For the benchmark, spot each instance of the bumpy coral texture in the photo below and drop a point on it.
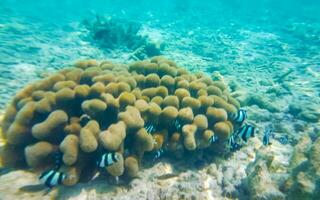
(304, 179)
(122, 101)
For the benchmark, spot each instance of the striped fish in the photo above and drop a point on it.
(266, 136)
(58, 159)
(52, 178)
(158, 154)
(107, 159)
(234, 146)
(283, 139)
(150, 128)
(84, 119)
(240, 117)
(212, 139)
(177, 125)
(245, 132)
(232, 140)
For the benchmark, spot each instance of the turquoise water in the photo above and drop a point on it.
(267, 51)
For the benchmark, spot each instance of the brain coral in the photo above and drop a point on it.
(131, 110)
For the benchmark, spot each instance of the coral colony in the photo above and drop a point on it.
(110, 34)
(108, 116)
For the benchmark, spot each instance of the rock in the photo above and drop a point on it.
(260, 184)
(309, 116)
(304, 170)
(22, 185)
(261, 102)
(305, 110)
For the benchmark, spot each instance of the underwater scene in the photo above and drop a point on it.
(160, 100)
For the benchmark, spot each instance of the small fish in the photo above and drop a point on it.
(150, 128)
(33, 188)
(107, 159)
(245, 132)
(84, 119)
(167, 176)
(58, 160)
(231, 140)
(52, 178)
(177, 125)
(283, 139)
(213, 139)
(234, 146)
(117, 180)
(266, 136)
(158, 154)
(240, 117)
(95, 176)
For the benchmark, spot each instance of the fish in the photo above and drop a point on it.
(58, 159)
(213, 139)
(234, 146)
(84, 119)
(52, 178)
(117, 180)
(240, 116)
(150, 128)
(283, 139)
(167, 176)
(231, 140)
(95, 176)
(107, 159)
(266, 136)
(245, 132)
(177, 124)
(33, 188)
(158, 154)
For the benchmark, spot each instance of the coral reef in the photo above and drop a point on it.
(131, 111)
(260, 183)
(283, 172)
(111, 33)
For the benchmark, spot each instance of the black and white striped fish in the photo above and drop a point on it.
(150, 128)
(245, 132)
(232, 140)
(58, 159)
(158, 154)
(84, 119)
(266, 136)
(234, 146)
(107, 159)
(52, 178)
(213, 139)
(240, 116)
(177, 125)
(283, 139)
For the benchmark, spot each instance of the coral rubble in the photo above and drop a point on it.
(92, 108)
